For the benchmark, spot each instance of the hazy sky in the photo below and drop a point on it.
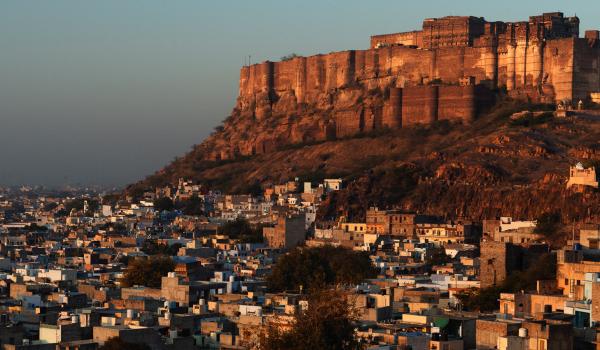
(108, 91)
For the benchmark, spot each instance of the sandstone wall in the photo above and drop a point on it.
(408, 78)
(586, 66)
(420, 105)
(414, 38)
(457, 103)
(392, 112)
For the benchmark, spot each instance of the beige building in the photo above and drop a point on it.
(571, 270)
(288, 233)
(581, 176)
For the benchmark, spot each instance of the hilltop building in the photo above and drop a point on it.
(581, 176)
(446, 71)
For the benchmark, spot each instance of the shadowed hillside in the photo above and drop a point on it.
(494, 166)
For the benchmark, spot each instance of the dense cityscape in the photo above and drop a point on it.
(187, 267)
(436, 191)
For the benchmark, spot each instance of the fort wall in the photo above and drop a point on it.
(410, 78)
(420, 105)
(457, 103)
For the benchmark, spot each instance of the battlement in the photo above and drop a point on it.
(451, 31)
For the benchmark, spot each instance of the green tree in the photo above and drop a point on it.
(147, 272)
(314, 268)
(327, 323)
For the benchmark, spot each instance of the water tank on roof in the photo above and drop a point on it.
(74, 318)
(523, 332)
(577, 247)
(130, 313)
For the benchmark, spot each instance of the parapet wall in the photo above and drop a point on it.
(414, 38)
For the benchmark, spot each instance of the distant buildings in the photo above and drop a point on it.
(61, 286)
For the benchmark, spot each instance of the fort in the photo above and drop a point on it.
(448, 70)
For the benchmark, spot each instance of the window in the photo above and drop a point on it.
(542, 344)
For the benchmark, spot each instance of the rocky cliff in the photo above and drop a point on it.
(494, 166)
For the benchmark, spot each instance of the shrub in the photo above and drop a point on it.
(147, 272)
(315, 268)
(327, 323)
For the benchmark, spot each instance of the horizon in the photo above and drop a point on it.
(107, 93)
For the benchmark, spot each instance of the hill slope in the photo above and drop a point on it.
(495, 166)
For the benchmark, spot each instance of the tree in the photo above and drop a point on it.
(315, 268)
(242, 230)
(111, 199)
(254, 188)
(151, 247)
(548, 225)
(289, 56)
(117, 343)
(480, 299)
(147, 272)
(79, 203)
(163, 203)
(327, 323)
(436, 256)
(50, 206)
(192, 206)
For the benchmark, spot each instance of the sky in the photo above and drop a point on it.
(106, 92)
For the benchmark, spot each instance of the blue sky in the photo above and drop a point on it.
(108, 91)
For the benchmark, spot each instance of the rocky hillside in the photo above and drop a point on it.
(494, 166)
